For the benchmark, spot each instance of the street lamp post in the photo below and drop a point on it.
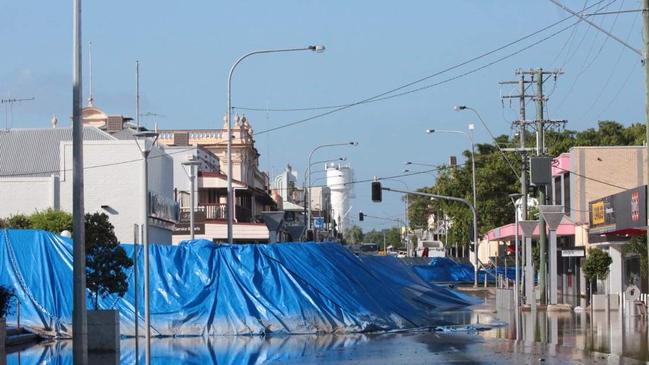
(514, 197)
(307, 195)
(192, 181)
(230, 204)
(148, 140)
(405, 214)
(469, 136)
(307, 175)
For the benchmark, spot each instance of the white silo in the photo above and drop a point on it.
(339, 178)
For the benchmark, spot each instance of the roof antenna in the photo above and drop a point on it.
(137, 94)
(9, 110)
(90, 98)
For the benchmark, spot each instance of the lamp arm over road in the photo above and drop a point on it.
(475, 221)
(230, 197)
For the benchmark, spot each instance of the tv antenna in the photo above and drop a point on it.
(9, 109)
(153, 115)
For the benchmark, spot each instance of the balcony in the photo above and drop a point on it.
(216, 211)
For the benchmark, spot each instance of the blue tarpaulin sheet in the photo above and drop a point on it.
(199, 288)
(447, 270)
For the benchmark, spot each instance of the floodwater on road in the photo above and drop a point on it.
(396, 348)
(545, 338)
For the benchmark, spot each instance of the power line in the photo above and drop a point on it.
(451, 68)
(383, 96)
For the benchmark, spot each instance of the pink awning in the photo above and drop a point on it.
(506, 232)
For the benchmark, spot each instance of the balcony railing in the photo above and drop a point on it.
(217, 211)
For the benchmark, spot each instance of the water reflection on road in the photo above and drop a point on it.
(548, 338)
(599, 332)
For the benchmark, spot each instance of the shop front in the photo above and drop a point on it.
(616, 222)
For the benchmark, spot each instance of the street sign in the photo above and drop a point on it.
(319, 222)
(572, 253)
(183, 229)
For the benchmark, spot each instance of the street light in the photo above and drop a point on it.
(307, 192)
(419, 164)
(514, 197)
(458, 108)
(192, 177)
(149, 139)
(230, 204)
(469, 136)
(405, 212)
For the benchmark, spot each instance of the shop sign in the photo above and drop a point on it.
(573, 253)
(183, 229)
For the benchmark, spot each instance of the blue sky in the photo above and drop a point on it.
(186, 49)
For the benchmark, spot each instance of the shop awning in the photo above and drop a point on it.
(507, 232)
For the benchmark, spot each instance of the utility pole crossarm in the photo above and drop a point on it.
(611, 35)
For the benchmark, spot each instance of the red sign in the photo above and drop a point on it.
(635, 206)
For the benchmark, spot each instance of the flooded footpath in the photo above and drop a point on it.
(482, 336)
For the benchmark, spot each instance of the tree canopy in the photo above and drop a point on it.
(495, 179)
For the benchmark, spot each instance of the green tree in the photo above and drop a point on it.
(638, 245)
(597, 264)
(19, 221)
(7, 297)
(495, 179)
(55, 221)
(353, 235)
(105, 260)
(391, 236)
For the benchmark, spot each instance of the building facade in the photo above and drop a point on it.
(251, 186)
(37, 174)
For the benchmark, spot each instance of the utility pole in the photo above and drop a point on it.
(540, 124)
(521, 123)
(645, 33)
(79, 318)
(536, 77)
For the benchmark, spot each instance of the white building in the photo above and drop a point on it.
(339, 178)
(251, 187)
(36, 174)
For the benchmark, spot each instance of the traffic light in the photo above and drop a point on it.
(377, 193)
(361, 216)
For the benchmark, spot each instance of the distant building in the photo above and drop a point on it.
(284, 185)
(36, 174)
(339, 182)
(251, 187)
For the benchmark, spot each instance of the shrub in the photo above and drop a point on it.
(597, 264)
(55, 221)
(7, 297)
(19, 221)
(105, 260)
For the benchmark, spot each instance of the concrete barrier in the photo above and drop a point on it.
(103, 331)
(599, 302)
(505, 299)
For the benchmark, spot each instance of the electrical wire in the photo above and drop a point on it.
(383, 96)
(448, 69)
(613, 71)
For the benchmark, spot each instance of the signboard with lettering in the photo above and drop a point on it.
(319, 222)
(618, 213)
(199, 216)
(573, 253)
(183, 229)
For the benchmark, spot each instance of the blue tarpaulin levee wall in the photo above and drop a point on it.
(446, 270)
(198, 288)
